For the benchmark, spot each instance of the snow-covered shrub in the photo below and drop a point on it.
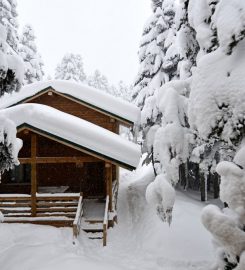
(9, 145)
(228, 225)
(161, 195)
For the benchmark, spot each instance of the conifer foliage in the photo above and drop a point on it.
(11, 66)
(32, 59)
(70, 68)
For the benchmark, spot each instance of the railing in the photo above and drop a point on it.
(60, 207)
(105, 222)
(15, 205)
(114, 195)
(78, 218)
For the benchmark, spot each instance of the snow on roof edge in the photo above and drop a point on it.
(92, 96)
(77, 131)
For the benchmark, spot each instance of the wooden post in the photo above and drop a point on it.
(33, 174)
(109, 183)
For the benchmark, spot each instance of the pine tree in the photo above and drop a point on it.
(11, 66)
(71, 68)
(32, 59)
(124, 91)
(150, 56)
(8, 17)
(186, 36)
(99, 81)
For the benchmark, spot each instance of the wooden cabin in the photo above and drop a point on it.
(70, 158)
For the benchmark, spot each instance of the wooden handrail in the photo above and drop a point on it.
(78, 218)
(105, 222)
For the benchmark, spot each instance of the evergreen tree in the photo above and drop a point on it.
(71, 68)
(32, 59)
(99, 81)
(186, 37)
(150, 56)
(11, 66)
(124, 91)
(8, 17)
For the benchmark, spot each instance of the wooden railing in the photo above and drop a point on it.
(114, 195)
(105, 222)
(15, 205)
(51, 209)
(78, 218)
(59, 205)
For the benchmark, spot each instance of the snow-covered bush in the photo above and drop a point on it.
(9, 144)
(161, 195)
(228, 225)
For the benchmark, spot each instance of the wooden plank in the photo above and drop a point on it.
(19, 199)
(57, 198)
(55, 223)
(41, 160)
(53, 204)
(57, 209)
(27, 204)
(6, 211)
(70, 215)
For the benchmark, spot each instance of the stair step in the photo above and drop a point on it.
(95, 235)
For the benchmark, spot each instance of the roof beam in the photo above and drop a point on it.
(41, 160)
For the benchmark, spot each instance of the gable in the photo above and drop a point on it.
(60, 102)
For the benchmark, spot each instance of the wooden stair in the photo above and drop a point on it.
(59, 210)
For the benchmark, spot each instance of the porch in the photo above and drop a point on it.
(94, 216)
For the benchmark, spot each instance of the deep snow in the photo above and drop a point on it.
(144, 243)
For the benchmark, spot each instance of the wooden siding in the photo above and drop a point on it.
(68, 106)
(80, 177)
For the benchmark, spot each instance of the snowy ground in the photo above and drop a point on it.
(141, 242)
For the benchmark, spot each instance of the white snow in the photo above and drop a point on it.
(75, 130)
(218, 93)
(161, 195)
(8, 138)
(147, 244)
(82, 92)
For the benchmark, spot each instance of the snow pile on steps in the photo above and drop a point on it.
(82, 92)
(75, 130)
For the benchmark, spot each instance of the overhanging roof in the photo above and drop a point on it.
(76, 133)
(89, 96)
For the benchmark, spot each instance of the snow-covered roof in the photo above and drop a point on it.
(75, 131)
(95, 98)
